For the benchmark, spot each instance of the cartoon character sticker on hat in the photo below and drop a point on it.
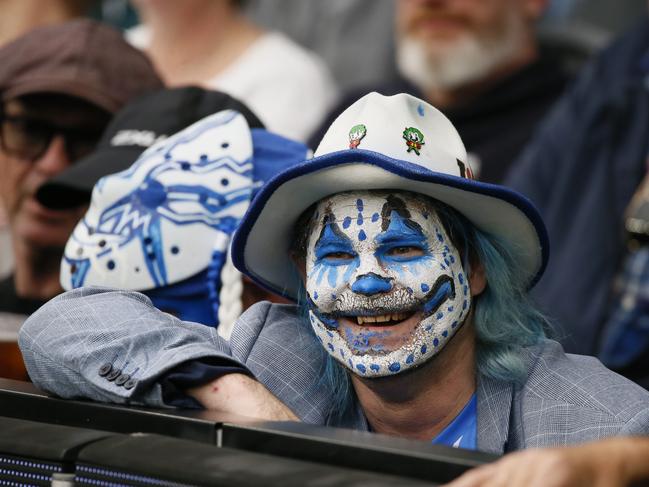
(414, 139)
(356, 134)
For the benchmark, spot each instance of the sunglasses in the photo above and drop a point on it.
(27, 138)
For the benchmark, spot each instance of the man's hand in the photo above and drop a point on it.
(616, 462)
(240, 394)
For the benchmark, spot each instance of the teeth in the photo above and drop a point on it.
(381, 318)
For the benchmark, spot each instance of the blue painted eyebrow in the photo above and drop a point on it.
(400, 232)
(331, 241)
(394, 237)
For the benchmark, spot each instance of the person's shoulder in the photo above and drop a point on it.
(622, 60)
(265, 311)
(266, 318)
(580, 383)
(269, 333)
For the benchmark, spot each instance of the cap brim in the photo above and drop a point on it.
(261, 244)
(63, 86)
(73, 187)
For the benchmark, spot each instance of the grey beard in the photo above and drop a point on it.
(468, 60)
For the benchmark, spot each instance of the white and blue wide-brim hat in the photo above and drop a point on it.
(383, 142)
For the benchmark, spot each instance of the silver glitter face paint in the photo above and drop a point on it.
(385, 284)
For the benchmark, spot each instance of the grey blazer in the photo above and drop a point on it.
(565, 399)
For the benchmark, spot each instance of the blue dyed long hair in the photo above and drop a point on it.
(505, 319)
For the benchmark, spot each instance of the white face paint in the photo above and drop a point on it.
(385, 284)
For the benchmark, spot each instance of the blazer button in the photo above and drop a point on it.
(130, 384)
(122, 379)
(105, 369)
(114, 375)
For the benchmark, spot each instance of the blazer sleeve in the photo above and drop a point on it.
(112, 346)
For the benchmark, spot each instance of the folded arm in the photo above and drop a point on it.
(115, 346)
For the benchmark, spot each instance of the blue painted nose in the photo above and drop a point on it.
(371, 283)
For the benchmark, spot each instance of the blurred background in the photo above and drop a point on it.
(354, 38)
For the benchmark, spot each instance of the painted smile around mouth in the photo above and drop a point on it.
(389, 319)
(393, 321)
(381, 335)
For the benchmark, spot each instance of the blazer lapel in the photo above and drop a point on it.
(494, 408)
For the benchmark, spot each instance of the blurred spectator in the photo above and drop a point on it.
(212, 43)
(20, 16)
(480, 62)
(582, 170)
(59, 86)
(346, 33)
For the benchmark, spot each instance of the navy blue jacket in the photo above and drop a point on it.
(581, 169)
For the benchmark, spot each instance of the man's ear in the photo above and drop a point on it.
(477, 279)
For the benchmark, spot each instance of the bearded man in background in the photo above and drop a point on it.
(479, 62)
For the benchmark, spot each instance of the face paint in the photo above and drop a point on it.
(385, 285)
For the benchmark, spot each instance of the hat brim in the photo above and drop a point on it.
(261, 244)
(63, 86)
(73, 187)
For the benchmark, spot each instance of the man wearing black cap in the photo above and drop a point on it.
(59, 86)
(136, 127)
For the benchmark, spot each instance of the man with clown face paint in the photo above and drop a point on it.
(413, 317)
(385, 285)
